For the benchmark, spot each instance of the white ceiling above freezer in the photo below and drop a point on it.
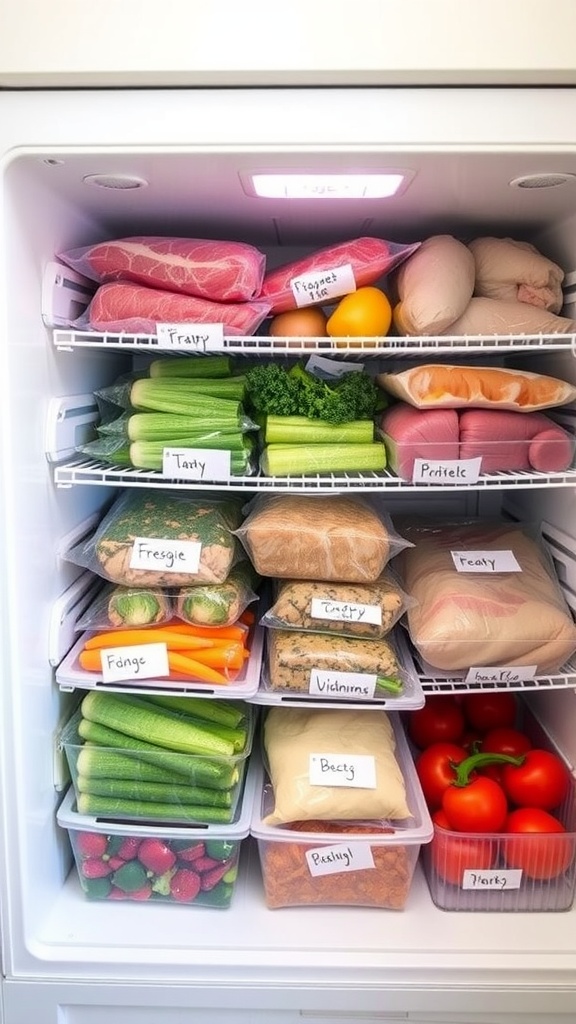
(262, 42)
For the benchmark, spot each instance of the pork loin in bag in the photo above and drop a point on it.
(476, 619)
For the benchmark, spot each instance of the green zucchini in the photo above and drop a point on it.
(191, 366)
(88, 803)
(220, 711)
(133, 789)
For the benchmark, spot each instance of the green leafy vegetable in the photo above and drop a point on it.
(275, 390)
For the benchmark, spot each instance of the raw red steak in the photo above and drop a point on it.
(369, 258)
(132, 308)
(210, 269)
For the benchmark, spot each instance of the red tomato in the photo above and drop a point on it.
(505, 741)
(543, 852)
(440, 720)
(435, 771)
(541, 781)
(479, 806)
(488, 710)
(453, 855)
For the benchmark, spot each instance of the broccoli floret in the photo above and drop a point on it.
(361, 391)
(270, 390)
(320, 400)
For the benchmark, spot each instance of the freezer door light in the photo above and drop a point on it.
(327, 186)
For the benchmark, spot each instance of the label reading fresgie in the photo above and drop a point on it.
(446, 471)
(486, 879)
(196, 463)
(331, 860)
(485, 561)
(159, 555)
(141, 661)
(355, 771)
(324, 683)
(345, 611)
(505, 674)
(195, 337)
(322, 285)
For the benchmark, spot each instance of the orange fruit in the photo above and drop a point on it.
(365, 313)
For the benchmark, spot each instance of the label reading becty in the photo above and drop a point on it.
(159, 555)
(322, 285)
(331, 860)
(345, 611)
(195, 337)
(446, 471)
(350, 771)
(341, 684)
(140, 661)
(196, 463)
(505, 674)
(489, 879)
(485, 561)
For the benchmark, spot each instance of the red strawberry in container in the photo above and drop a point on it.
(91, 844)
(156, 856)
(128, 848)
(95, 867)
(184, 885)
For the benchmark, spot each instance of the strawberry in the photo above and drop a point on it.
(185, 885)
(192, 853)
(91, 844)
(94, 867)
(128, 848)
(140, 894)
(211, 878)
(156, 855)
(206, 864)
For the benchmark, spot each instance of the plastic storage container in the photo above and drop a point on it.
(201, 789)
(499, 872)
(363, 864)
(191, 865)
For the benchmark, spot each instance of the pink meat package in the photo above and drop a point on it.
(208, 268)
(123, 307)
(368, 259)
(504, 440)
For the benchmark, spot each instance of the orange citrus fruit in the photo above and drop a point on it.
(365, 313)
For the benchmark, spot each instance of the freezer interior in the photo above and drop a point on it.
(180, 167)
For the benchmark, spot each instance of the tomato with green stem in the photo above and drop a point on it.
(476, 803)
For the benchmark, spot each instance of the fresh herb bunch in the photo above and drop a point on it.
(274, 390)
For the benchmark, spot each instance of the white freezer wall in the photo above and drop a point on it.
(61, 953)
(258, 42)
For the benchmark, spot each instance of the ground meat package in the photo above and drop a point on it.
(298, 743)
(486, 595)
(332, 272)
(319, 537)
(208, 268)
(122, 306)
(163, 539)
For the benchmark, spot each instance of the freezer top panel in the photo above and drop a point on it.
(371, 42)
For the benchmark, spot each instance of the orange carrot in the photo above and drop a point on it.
(90, 661)
(181, 665)
(130, 637)
(219, 657)
(236, 631)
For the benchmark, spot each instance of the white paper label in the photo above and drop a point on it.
(194, 337)
(330, 368)
(140, 661)
(331, 860)
(345, 611)
(196, 463)
(510, 878)
(485, 561)
(350, 771)
(504, 674)
(341, 684)
(158, 555)
(323, 285)
(446, 471)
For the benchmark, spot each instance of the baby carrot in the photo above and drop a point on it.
(182, 665)
(219, 657)
(236, 631)
(90, 661)
(129, 637)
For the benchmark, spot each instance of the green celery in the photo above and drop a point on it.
(287, 460)
(301, 429)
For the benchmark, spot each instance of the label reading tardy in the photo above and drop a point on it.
(331, 860)
(446, 471)
(159, 555)
(345, 611)
(196, 463)
(322, 285)
(503, 674)
(485, 561)
(355, 771)
(194, 337)
(485, 879)
(141, 661)
(324, 683)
